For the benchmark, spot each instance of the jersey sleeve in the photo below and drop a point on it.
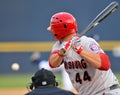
(55, 46)
(91, 45)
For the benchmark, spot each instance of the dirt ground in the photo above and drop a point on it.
(13, 91)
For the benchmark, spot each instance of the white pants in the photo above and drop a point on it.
(110, 92)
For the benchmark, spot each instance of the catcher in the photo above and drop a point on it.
(86, 63)
(44, 83)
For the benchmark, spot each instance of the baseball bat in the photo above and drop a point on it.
(101, 16)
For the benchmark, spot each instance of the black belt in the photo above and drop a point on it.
(115, 86)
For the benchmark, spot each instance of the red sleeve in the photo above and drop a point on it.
(105, 62)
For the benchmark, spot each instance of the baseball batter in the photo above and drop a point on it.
(87, 65)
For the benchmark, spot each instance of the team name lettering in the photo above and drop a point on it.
(75, 64)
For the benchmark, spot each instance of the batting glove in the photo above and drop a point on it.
(77, 45)
(65, 47)
(78, 49)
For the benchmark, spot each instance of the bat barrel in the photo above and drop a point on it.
(101, 16)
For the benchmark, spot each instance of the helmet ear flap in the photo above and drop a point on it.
(56, 83)
(33, 79)
(31, 86)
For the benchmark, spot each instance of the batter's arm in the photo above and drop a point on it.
(92, 53)
(56, 58)
(98, 60)
(92, 58)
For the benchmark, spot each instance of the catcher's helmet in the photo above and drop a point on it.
(62, 24)
(43, 77)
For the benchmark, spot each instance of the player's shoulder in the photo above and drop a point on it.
(56, 46)
(86, 38)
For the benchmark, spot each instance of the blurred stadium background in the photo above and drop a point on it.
(23, 30)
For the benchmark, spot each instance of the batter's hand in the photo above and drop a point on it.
(78, 49)
(65, 47)
(77, 45)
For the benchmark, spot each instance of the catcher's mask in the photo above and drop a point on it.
(43, 77)
(62, 24)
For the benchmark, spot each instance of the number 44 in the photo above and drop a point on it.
(86, 77)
